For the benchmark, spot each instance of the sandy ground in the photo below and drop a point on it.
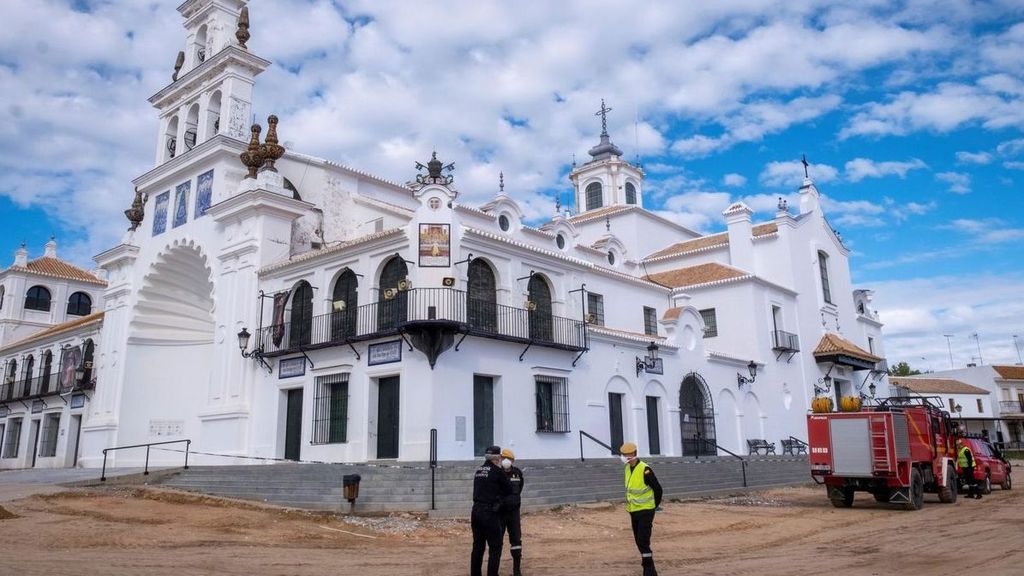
(120, 531)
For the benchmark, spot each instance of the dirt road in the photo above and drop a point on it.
(787, 531)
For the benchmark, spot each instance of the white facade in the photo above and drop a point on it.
(408, 311)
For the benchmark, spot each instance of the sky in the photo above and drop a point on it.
(910, 114)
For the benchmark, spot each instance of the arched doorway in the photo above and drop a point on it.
(540, 309)
(482, 296)
(301, 327)
(696, 417)
(344, 306)
(391, 302)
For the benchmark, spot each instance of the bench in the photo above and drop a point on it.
(755, 446)
(793, 447)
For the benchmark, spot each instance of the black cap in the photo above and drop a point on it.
(493, 450)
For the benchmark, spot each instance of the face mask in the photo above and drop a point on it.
(506, 463)
(624, 459)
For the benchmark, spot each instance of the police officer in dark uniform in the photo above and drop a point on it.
(512, 510)
(491, 491)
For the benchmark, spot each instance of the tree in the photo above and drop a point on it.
(902, 369)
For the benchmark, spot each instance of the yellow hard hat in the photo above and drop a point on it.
(506, 453)
(627, 448)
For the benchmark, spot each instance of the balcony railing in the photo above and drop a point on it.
(785, 341)
(882, 366)
(1011, 407)
(38, 386)
(478, 317)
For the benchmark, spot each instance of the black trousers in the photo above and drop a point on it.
(972, 485)
(488, 532)
(515, 532)
(643, 524)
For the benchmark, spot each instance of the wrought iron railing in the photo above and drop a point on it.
(1011, 407)
(785, 341)
(478, 317)
(38, 386)
(882, 366)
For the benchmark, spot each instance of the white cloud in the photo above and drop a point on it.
(986, 231)
(1014, 165)
(791, 174)
(959, 183)
(861, 168)
(734, 179)
(1011, 147)
(973, 157)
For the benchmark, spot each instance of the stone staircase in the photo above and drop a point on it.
(406, 486)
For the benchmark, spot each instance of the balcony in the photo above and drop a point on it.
(39, 386)
(412, 309)
(1011, 407)
(882, 366)
(785, 341)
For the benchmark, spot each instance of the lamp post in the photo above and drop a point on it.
(872, 389)
(950, 348)
(1017, 348)
(741, 380)
(256, 354)
(648, 363)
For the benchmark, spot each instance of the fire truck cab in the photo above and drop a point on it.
(897, 449)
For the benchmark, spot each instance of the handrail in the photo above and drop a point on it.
(433, 465)
(743, 461)
(582, 434)
(103, 474)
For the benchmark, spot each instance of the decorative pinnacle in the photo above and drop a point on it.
(137, 212)
(252, 158)
(603, 113)
(271, 150)
(608, 223)
(178, 63)
(434, 171)
(806, 164)
(501, 182)
(242, 34)
(558, 204)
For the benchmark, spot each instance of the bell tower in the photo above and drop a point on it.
(607, 179)
(211, 89)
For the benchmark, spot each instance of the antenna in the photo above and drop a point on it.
(636, 133)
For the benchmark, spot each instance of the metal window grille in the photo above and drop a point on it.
(595, 308)
(594, 196)
(710, 322)
(330, 409)
(552, 404)
(823, 266)
(48, 440)
(12, 439)
(650, 321)
(38, 298)
(630, 193)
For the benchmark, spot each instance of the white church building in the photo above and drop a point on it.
(352, 318)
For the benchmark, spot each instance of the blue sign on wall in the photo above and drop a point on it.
(204, 193)
(181, 203)
(160, 212)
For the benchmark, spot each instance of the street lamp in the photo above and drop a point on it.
(256, 354)
(741, 380)
(872, 388)
(650, 362)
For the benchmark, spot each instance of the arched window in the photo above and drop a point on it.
(594, 196)
(823, 268)
(200, 47)
(213, 115)
(301, 330)
(630, 193)
(391, 302)
(79, 304)
(37, 298)
(192, 127)
(87, 353)
(171, 139)
(3, 291)
(30, 365)
(482, 296)
(44, 372)
(12, 372)
(344, 306)
(540, 313)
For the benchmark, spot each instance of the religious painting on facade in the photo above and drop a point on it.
(160, 212)
(69, 361)
(181, 203)
(204, 193)
(435, 245)
(280, 301)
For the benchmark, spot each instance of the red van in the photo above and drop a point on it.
(990, 466)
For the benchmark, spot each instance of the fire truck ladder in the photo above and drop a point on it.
(879, 444)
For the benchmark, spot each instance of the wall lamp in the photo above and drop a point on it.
(256, 354)
(741, 379)
(649, 362)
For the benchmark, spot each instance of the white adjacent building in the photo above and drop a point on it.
(380, 314)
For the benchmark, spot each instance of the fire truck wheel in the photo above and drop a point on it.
(947, 493)
(841, 497)
(986, 484)
(1007, 482)
(916, 491)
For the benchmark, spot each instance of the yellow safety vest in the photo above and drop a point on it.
(961, 457)
(639, 496)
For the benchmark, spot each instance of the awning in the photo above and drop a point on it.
(838, 350)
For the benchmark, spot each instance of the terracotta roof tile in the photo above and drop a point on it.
(936, 385)
(694, 275)
(600, 212)
(713, 240)
(1010, 372)
(672, 314)
(47, 266)
(56, 329)
(835, 344)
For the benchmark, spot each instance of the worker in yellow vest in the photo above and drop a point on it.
(643, 497)
(965, 462)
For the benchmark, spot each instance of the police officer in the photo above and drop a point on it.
(643, 496)
(491, 490)
(512, 510)
(965, 461)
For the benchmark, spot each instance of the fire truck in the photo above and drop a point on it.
(897, 449)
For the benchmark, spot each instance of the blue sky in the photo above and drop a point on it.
(911, 115)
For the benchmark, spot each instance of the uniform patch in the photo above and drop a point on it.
(647, 471)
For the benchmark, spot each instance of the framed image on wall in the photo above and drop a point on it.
(435, 245)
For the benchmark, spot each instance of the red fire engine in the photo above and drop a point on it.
(897, 450)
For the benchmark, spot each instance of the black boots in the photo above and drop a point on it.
(517, 563)
(648, 564)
